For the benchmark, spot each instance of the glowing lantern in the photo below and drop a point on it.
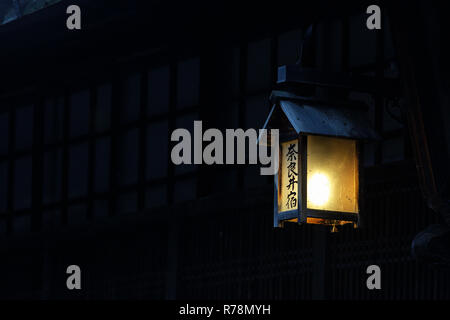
(318, 178)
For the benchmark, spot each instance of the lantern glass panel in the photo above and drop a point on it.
(289, 176)
(332, 174)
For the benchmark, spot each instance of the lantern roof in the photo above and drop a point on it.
(308, 117)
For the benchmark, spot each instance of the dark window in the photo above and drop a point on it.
(52, 176)
(156, 196)
(24, 127)
(101, 208)
(77, 214)
(51, 220)
(361, 55)
(258, 66)
(129, 109)
(235, 66)
(257, 108)
(127, 158)
(22, 224)
(102, 158)
(157, 150)
(288, 47)
(158, 91)
(103, 112)
(4, 133)
(185, 189)
(79, 113)
(127, 203)
(78, 170)
(188, 88)
(3, 185)
(22, 183)
(53, 120)
(2, 226)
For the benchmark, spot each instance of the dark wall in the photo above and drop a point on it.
(86, 177)
(224, 247)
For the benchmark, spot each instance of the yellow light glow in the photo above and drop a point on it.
(318, 189)
(332, 174)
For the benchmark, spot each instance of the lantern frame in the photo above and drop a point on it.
(312, 115)
(302, 213)
(303, 117)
